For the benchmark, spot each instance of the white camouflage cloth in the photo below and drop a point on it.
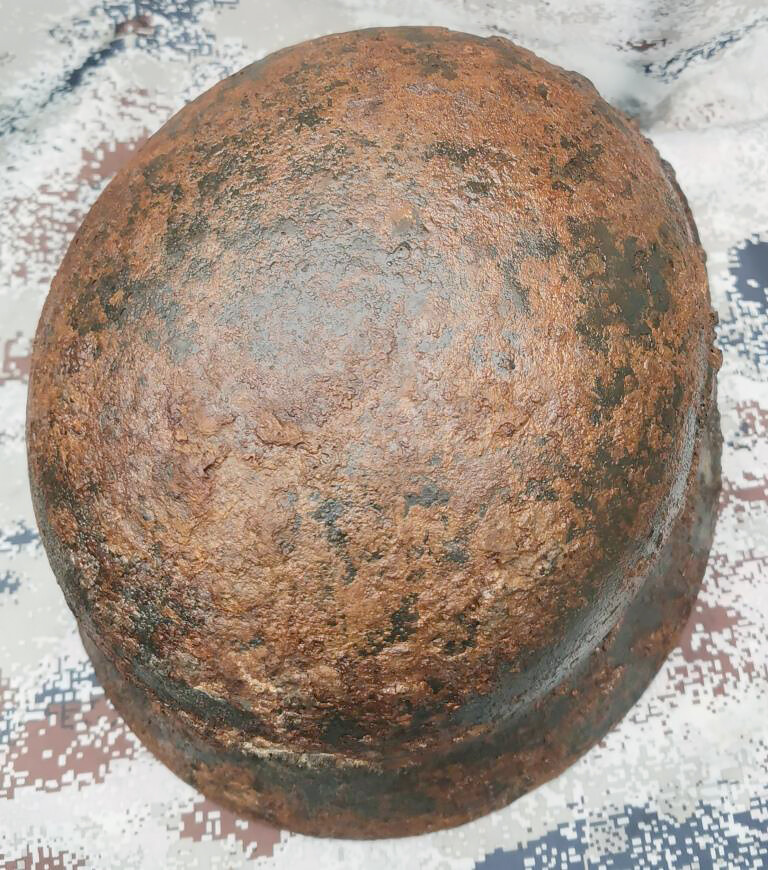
(683, 780)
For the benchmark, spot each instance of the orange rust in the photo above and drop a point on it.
(371, 419)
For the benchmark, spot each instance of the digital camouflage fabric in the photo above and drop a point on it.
(683, 778)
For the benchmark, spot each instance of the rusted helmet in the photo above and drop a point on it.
(371, 430)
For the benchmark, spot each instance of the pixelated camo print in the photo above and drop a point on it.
(683, 781)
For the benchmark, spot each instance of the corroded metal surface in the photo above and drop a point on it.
(368, 400)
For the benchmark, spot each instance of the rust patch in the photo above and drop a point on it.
(370, 396)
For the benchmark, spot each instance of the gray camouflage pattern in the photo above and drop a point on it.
(683, 781)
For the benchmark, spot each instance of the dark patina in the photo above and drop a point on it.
(372, 433)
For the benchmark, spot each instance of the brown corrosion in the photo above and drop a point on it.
(371, 429)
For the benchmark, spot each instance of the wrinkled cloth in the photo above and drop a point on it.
(683, 780)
